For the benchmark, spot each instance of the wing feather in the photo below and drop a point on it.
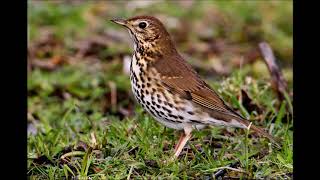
(179, 77)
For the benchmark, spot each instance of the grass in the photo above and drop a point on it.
(74, 130)
(130, 143)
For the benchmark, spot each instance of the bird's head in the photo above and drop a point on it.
(146, 31)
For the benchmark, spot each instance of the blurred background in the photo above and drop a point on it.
(78, 63)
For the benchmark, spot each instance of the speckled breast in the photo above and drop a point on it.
(166, 108)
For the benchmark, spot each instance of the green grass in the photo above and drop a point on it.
(132, 142)
(74, 130)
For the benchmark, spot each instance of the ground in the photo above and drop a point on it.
(83, 120)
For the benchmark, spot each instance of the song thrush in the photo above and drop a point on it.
(167, 86)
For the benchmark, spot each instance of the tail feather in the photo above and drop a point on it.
(245, 122)
(274, 140)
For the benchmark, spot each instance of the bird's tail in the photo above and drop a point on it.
(274, 140)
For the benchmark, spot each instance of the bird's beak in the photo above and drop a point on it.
(119, 21)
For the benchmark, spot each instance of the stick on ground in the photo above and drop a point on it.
(278, 82)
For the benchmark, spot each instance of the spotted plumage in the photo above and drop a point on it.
(168, 88)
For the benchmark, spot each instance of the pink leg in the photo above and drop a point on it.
(182, 141)
(179, 142)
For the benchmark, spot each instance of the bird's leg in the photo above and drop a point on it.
(182, 141)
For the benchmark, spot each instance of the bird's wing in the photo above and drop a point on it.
(179, 77)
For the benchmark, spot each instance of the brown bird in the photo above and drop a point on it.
(169, 89)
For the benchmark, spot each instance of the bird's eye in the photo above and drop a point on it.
(142, 25)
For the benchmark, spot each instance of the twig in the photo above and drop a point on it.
(246, 146)
(130, 172)
(230, 168)
(73, 153)
(249, 126)
(277, 78)
(222, 172)
(93, 139)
